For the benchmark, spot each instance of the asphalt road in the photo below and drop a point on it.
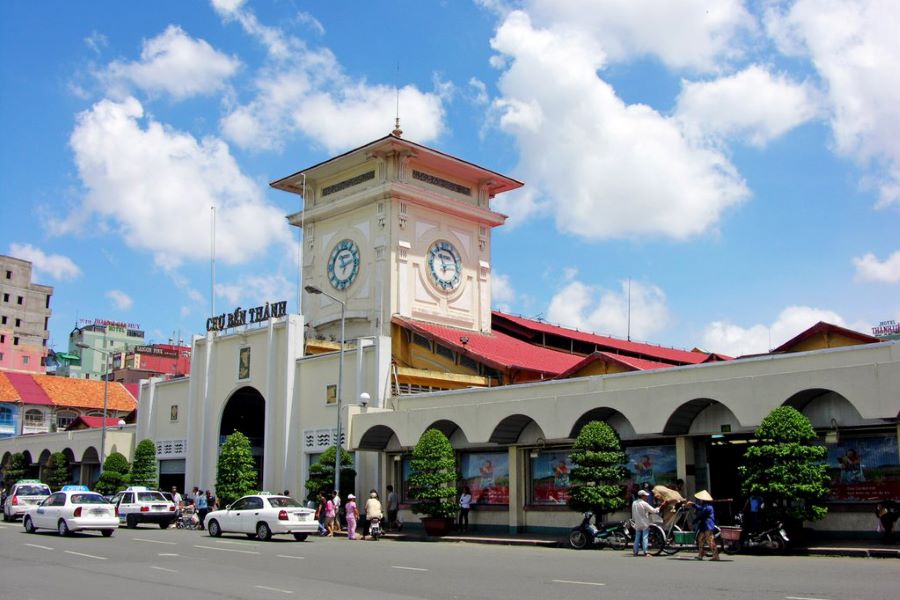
(153, 564)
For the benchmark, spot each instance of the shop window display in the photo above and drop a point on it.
(550, 478)
(487, 475)
(864, 468)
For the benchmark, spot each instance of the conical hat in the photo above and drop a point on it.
(703, 495)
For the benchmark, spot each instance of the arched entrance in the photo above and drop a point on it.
(245, 411)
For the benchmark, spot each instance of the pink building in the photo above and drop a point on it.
(24, 318)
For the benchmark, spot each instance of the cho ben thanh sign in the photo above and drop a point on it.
(247, 316)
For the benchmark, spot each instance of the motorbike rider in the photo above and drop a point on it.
(373, 509)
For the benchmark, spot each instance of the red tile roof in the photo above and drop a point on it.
(823, 327)
(92, 423)
(29, 391)
(496, 349)
(8, 392)
(632, 363)
(531, 329)
(49, 390)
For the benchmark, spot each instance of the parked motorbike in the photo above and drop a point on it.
(613, 535)
(769, 538)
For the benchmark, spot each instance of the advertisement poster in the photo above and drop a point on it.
(550, 478)
(651, 464)
(864, 468)
(405, 469)
(487, 475)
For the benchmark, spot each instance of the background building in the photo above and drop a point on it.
(113, 337)
(24, 318)
(155, 360)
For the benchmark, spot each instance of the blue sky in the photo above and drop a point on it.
(738, 162)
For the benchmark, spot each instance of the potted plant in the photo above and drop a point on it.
(432, 482)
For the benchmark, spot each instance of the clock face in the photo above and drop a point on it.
(445, 265)
(343, 264)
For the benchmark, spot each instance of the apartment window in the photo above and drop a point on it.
(9, 274)
(2, 339)
(6, 416)
(46, 322)
(18, 322)
(25, 360)
(64, 418)
(34, 418)
(15, 341)
(1, 356)
(48, 301)
(6, 297)
(19, 301)
(3, 321)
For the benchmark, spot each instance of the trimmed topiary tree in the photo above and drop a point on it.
(16, 470)
(321, 474)
(114, 476)
(432, 480)
(786, 468)
(236, 471)
(56, 473)
(599, 470)
(143, 471)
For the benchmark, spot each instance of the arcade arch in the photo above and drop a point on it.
(611, 416)
(245, 411)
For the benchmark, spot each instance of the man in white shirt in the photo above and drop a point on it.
(336, 500)
(640, 514)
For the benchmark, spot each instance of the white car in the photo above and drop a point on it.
(262, 516)
(24, 494)
(72, 509)
(139, 504)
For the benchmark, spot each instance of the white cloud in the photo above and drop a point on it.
(57, 266)
(605, 169)
(96, 42)
(479, 91)
(587, 308)
(176, 64)
(306, 91)
(693, 34)
(727, 338)
(753, 104)
(120, 299)
(255, 290)
(869, 268)
(154, 186)
(502, 292)
(855, 48)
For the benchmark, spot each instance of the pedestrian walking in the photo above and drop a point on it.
(393, 507)
(330, 513)
(352, 516)
(338, 511)
(202, 506)
(320, 514)
(705, 524)
(465, 503)
(640, 514)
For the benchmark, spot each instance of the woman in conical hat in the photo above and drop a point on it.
(705, 524)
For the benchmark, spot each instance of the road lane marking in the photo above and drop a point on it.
(163, 569)
(408, 568)
(226, 549)
(802, 598)
(271, 589)
(235, 542)
(577, 582)
(155, 541)
(167, 554)
(286, 556)
(85, 555)
(39, 546)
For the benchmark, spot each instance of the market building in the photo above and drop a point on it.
(93, 345)
(396, 335)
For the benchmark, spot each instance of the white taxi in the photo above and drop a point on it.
(138, 504)
(24, 493)
(262, 516)
(74, 508)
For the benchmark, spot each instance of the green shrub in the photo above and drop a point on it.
(16, 470)
(786, 469)
(114, 477)
(56, 473)
(599, 470)
(432, 480)
(321, 474)
(143, 471)
(236, 471)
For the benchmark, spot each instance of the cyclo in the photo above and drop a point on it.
(678, 531)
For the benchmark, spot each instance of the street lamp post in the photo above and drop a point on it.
(105, 354)
(340, 385)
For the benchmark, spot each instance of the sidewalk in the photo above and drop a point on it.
(850, 548)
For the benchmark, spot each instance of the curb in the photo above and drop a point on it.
(811, 551)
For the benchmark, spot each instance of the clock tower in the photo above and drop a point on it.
(396, 228)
